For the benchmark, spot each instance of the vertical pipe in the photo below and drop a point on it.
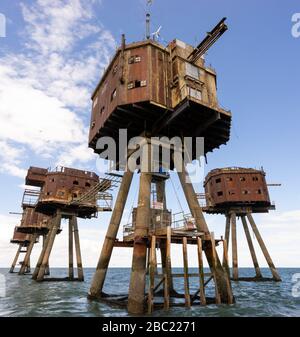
(112, 231)
(49, 246)
(186, 273)
(152, 274)
(168, 271)
(201, 272)
(251, 248)
(26, 262)
(234, 247)
(71, 259)
(136, 294)
(77, 248)
(161, 197)
(195, 209)
(12, 268)
(264, 248)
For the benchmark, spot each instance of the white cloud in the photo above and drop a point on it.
(10, 159)
(73, 154)
(45, 89)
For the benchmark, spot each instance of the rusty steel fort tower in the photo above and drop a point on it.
(154, 91)
(63, 193)
(239, 192)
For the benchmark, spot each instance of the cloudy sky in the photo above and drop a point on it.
(55, 52)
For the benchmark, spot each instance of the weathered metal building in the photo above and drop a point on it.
(169, 91)
(239, 192)
(153, 90)
(237, 186)
(61, 188)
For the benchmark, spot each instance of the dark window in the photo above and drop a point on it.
(259, 191)
(231, 192)
(137, 84)
(134, 59)
(255, 178)
(75, 182)
(102, 109)
(75, 195)
(218, 180)
(131, 60)
(242, 179)
(229, 179)
(220, 194)
(52, 180)
(245, 192)
(87, 184)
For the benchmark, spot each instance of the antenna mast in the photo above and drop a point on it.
(149, 3)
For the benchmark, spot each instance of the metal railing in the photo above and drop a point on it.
(30, 197)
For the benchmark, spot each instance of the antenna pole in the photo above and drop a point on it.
(148, 26)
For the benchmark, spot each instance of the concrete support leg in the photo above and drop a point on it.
(45, 260)
(77, 249)
(26, 261)
(235, 269)
(195, 209)
(112, 231)
(216, 280)
(28, 269)
(152, 268)
(166, 265)
(12, 268)
(251, 248)
(227, 231)
(263, 247)
(47, 270)
(201, 272)
(71, 259)
(225, 257)
(45, 244)
(136, 296)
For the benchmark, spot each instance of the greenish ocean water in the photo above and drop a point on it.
(21, 296)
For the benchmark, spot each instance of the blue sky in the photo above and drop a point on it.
(54, 54)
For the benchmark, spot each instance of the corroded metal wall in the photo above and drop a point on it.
(144, 81)
(67, 184)
(236, 186)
